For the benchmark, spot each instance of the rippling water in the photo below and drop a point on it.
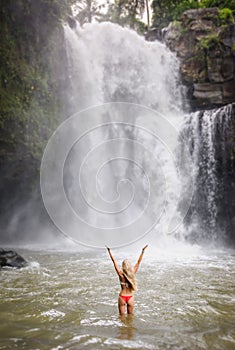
(69, 301)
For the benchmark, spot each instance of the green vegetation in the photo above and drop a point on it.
(166, 11)
(226, 16)
(128, 13)
(88, 10)
(221, 4)
(29, 94)
(209, 41)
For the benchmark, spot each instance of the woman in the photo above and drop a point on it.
(127, 282)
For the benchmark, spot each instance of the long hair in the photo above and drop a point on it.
(128, 273)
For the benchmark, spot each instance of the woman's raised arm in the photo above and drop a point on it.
(140, 259)
(119, 272)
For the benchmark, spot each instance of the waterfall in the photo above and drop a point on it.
(109, 63)
(123, 157)
(211, 135)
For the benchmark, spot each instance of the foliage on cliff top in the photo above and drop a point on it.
(127, 13)
(226, 16)
(166, 11)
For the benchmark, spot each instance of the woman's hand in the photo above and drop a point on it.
(144, 248)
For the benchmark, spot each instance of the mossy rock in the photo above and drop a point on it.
(209, 41)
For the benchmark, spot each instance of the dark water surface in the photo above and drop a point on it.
(69, 301)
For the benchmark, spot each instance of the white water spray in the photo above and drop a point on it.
(123, 170)
(208, 132)
(108, 63)
(121, 179)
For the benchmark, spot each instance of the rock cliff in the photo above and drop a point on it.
(32, 94)
(204, 41)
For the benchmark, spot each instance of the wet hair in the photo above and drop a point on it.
(128, 273)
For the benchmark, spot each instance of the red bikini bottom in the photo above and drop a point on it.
(126, 298)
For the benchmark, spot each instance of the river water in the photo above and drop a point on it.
(68, 300)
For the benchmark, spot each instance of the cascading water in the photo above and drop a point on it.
(211, 134)
(128, 153)
(108, 63)
(125, 160)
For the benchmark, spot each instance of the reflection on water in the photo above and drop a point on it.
(69, 301)
(127, 328)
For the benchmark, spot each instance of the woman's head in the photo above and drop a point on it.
(126, 266)
(128, 273)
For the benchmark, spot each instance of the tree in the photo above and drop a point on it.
(166, 11)
(163, 12)
(87, 10)
(148, 14)
(128, 13)
(219, 3)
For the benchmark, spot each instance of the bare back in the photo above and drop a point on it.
(126, 288)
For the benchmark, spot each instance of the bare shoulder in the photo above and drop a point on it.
(121, 276)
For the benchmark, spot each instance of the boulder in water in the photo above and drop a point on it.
(12, 259)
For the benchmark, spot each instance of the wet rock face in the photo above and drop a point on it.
(72, 22)
(11, 259)
(206, 49)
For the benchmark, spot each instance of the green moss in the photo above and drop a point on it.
(209, 41)
(226, 16)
